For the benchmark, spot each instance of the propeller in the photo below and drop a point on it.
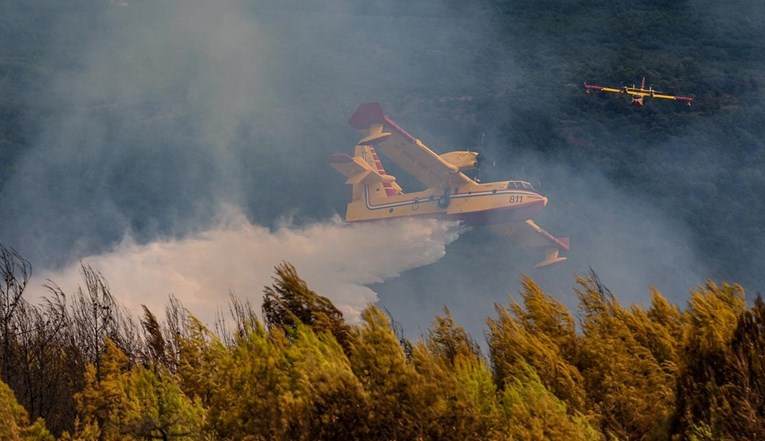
(479, 160)
(478, 166)
(482, 164)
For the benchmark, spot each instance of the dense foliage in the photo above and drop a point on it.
(86, 370)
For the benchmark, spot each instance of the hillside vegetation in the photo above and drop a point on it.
(85, 369)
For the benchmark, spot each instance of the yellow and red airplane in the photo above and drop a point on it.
(638, 95)
(505, 206)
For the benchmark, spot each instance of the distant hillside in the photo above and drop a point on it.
(502, 76)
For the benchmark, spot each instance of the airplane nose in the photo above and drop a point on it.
(544, 201)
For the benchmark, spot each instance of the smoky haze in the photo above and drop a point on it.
(236, 257)
(160, 112)
(159, 117)
(162, 116)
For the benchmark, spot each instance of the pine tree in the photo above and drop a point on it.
(744, 414)
(461, 397)
(455, 374)
(255, 371)
(201, 359)
(330, 402)
(707, 359)
(289, 302)
(398, 408)
(533, 413)
(448, 341)
(540, 334)
(14, 421)
(627, 363)
(134, 402)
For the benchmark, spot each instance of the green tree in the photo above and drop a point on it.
(705, 363)
(532, 412)
(255, 371)
(448, 341)
(461, 397)
(156, 352)
(201, 358)
(14, 421)
(627, 363)
(543, 314)
(479, 397)
(399, 402)
(134, 402)
(744, 414)
(457, 380)
(329, 401)
(297, 388)
(289, 302)
(540, 334)
(160, 410)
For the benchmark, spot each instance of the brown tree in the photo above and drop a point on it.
(15, 272)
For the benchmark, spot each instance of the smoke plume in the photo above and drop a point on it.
(337, 260)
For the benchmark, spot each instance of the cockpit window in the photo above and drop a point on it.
(522, 185)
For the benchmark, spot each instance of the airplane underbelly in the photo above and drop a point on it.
(516, 213)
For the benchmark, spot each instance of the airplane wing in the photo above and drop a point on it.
(530, 234)
(672, 97)
(602, 89)
(406, 150)
(656, 94)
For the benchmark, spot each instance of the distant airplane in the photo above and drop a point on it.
(637, 95)
(506, 206)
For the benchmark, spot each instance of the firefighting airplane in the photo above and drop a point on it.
(638, 94)
(506, 207)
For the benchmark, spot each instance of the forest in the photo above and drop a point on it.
(80, 367)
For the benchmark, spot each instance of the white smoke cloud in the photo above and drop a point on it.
(336, 259)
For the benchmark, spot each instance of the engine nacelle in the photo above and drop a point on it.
(464, 160)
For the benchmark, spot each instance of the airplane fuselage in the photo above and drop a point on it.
(507, 207)
(473, 203)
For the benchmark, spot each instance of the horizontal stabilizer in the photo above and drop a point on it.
(356, 170)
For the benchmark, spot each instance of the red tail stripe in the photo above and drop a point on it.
(389, 190)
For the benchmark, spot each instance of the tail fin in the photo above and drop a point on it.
(371, 184)
(368, 153)
(365, 172)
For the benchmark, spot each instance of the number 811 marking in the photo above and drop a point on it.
(516, 199)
